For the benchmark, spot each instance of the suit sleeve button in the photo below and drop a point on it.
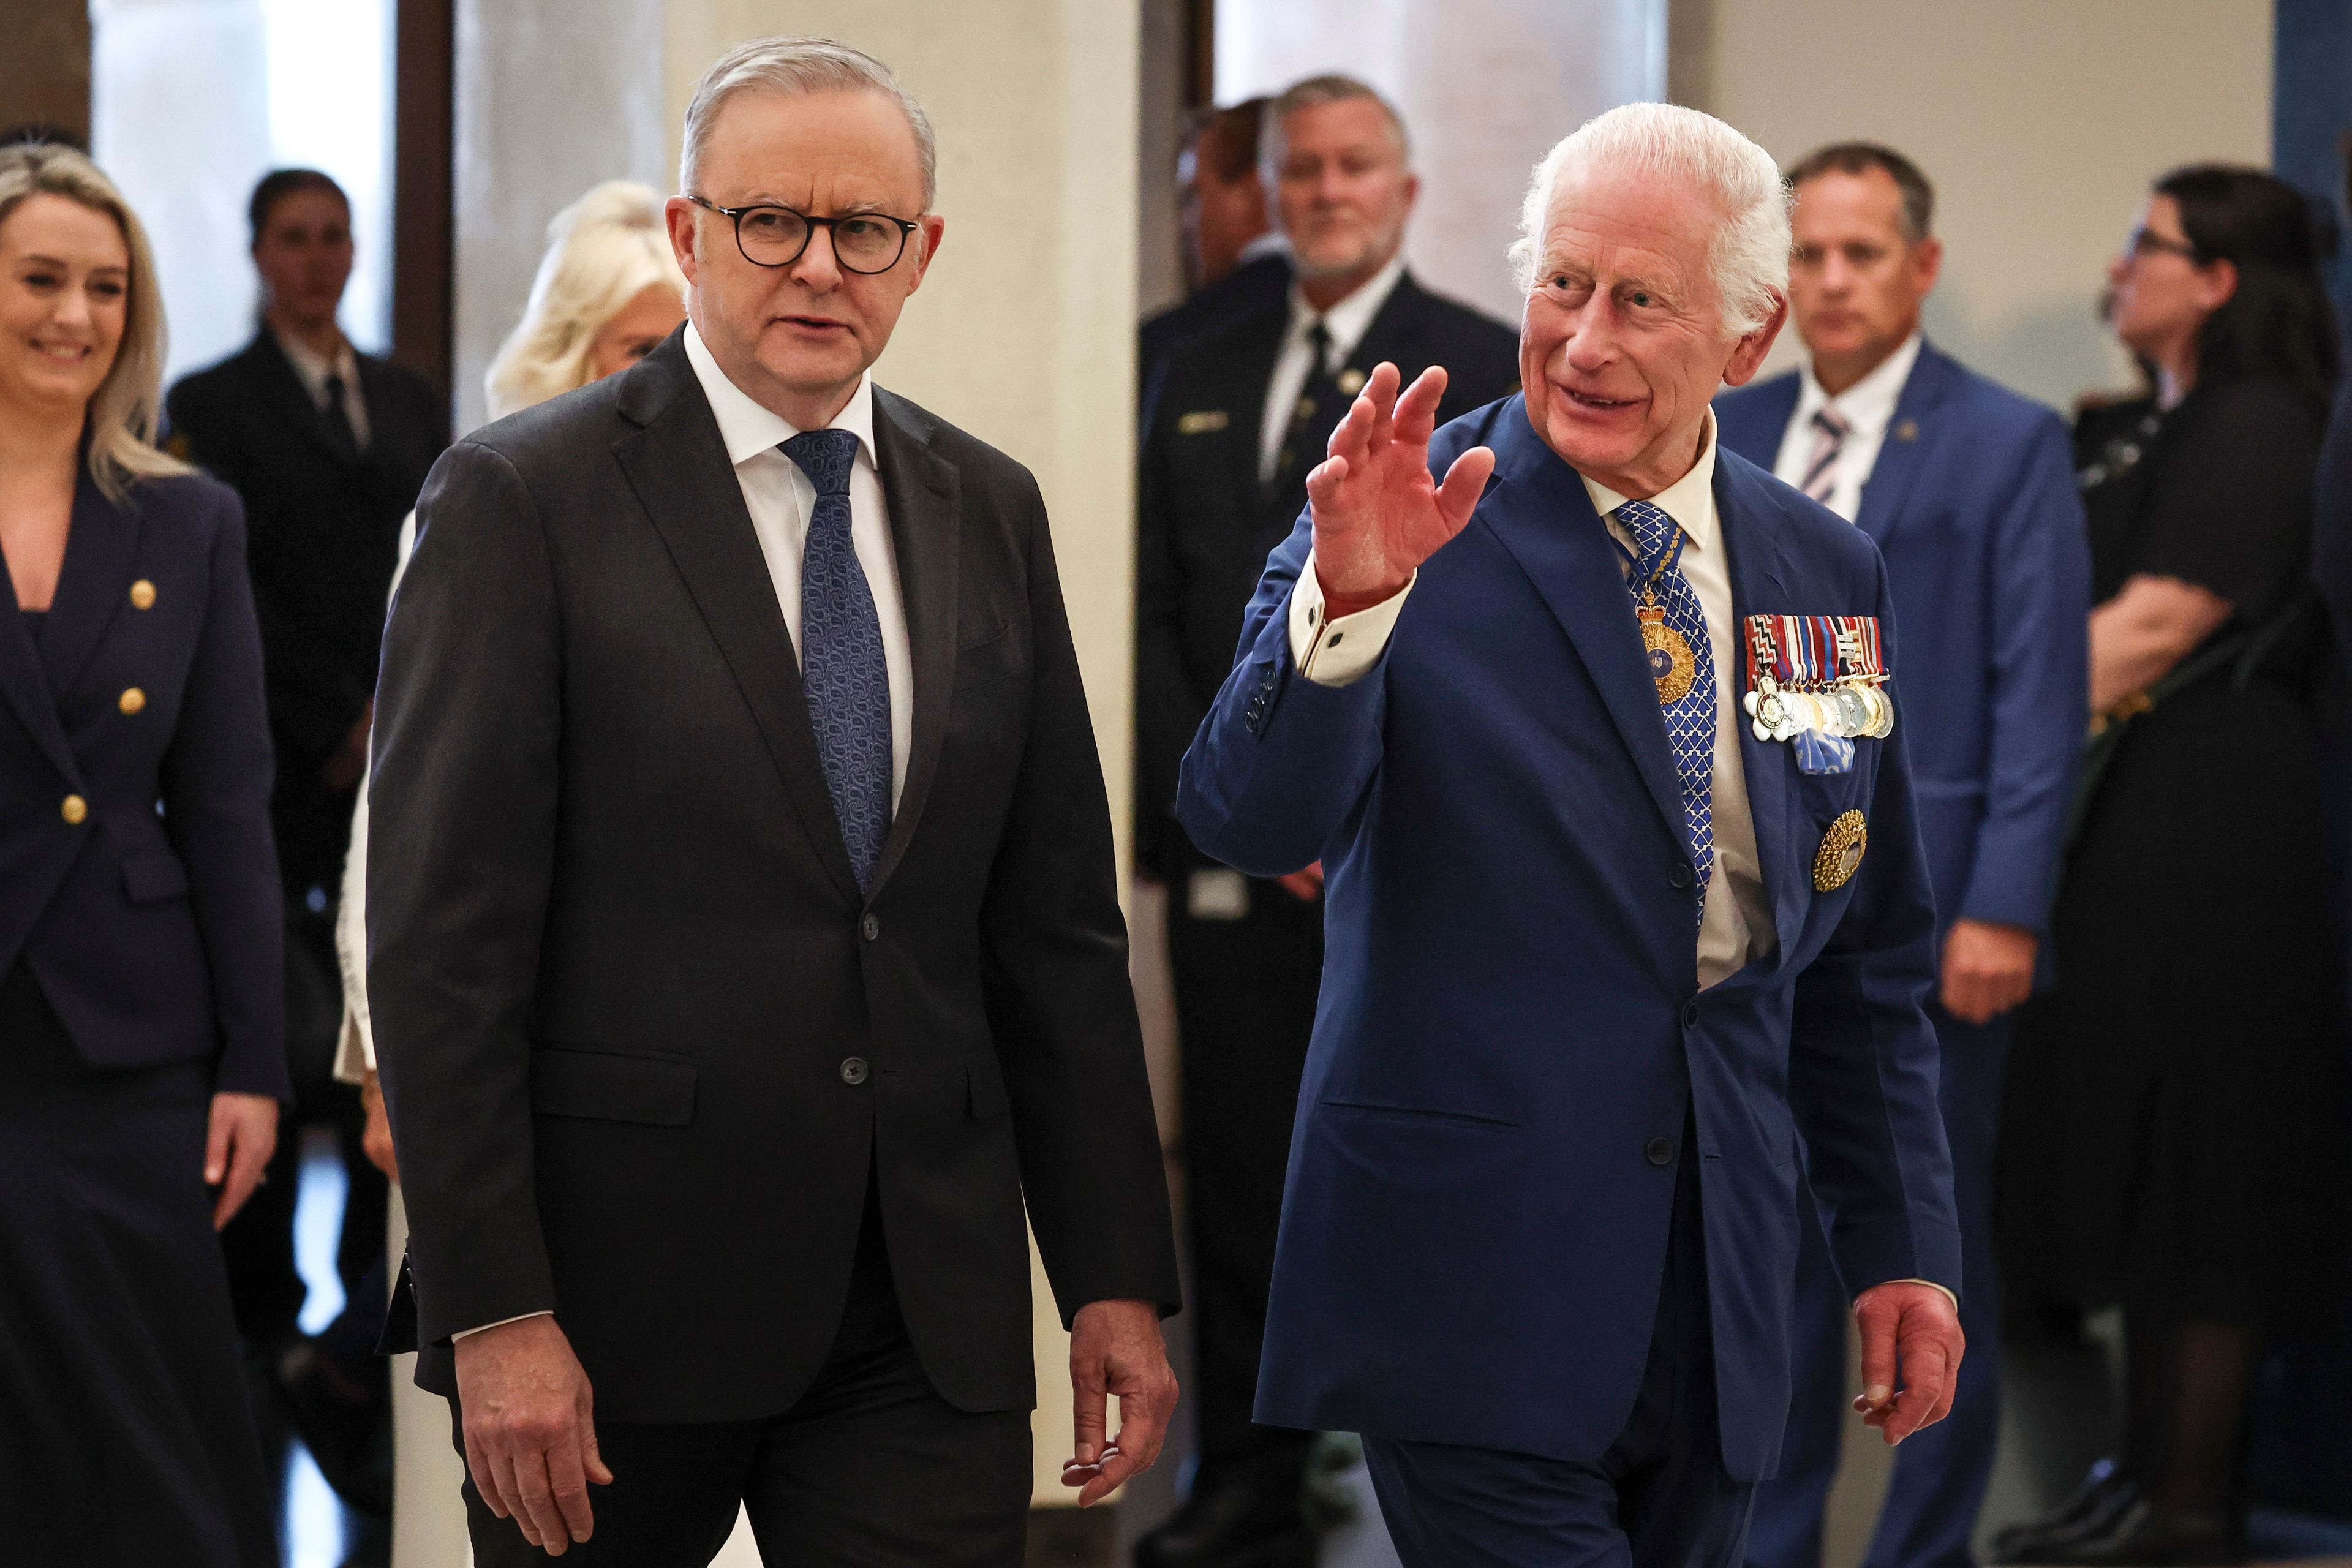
(853, 1072)
(870, 927)
(73, 808)
(1660, 1151)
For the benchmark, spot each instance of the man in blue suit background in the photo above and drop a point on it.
(1968, 489)
(1598, 950)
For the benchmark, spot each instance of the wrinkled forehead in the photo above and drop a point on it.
(1620, 224)
(848, 144)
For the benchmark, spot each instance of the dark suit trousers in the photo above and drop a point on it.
(1658, 1499)
(1245, 993)
(870, 1467)
(1941, 1475)
(126, 1440)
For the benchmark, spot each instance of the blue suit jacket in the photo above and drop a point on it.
(1472, 1234)
(1973, 505)
(154, 924)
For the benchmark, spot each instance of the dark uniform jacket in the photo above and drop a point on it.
(1206, 525)
(137, 879)
(641, 1033)
(325, 525)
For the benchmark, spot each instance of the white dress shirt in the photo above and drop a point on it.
(312, 373)
(1736, 922)
(780, 498)
(1347, 322)
(1867, 407)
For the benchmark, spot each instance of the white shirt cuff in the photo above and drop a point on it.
(1947, 1290)
(1339, 651)
(502, 1322)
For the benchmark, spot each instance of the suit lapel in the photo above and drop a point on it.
(282, 385)
(25, 690)
(1541, 512)
(923, 493)
(677, 466)
(92, 585)
(1905, 449)
(1760, 574)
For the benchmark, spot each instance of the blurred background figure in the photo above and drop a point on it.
(1240, 416)
(1236, 261)
(328, 448)
(607, 293)
(141, 1047)
(2174, 1126)
(1968, 490)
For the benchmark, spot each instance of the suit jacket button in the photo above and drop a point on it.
(870, 927)
(1661, 1151)
(1680, 876)
(142, 594)
(133, 700)
(73, 809)
(1690, 1015)
(853, 1072)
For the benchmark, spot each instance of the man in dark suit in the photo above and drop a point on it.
(1236, 263)
(1242, 414)
(745, 948)
(1968, 489)
(328, 447)
(1605, 938)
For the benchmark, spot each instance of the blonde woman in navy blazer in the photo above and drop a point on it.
(141, 1049)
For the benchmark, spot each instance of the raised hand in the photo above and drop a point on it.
(1378, 514)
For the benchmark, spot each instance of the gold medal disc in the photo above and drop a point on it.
(1671, 664)
(1839, 856)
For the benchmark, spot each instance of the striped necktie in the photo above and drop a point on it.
(1830, 430)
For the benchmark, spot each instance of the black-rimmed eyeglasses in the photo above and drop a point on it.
(771, 236)
(2145, 241)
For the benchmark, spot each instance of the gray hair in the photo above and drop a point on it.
(796, 67)
(1669, 143)
(1331, 87)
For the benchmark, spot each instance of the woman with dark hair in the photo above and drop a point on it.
(141, 1047)
(2173, 1129)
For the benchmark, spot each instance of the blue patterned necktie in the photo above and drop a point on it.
(1690, 723)
(842, 667)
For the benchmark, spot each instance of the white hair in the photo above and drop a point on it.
(797, 67)
(1670, 145)
(602, 251)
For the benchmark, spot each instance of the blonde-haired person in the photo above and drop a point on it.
(607, 292)
(141, 1026)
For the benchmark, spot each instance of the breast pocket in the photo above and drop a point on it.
(991, 656)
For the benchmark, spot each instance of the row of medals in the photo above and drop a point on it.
(1853, 708)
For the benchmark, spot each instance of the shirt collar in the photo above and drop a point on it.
(311, 370)
(748, 428)
(1351, 318)
(1689, 500)
(1868, 405)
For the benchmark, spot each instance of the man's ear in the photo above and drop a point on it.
(1747, 354)
(679, 215)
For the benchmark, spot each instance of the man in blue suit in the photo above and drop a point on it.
(1968, 489)
(1598, 950)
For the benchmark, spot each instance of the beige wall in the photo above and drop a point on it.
(1024, 331)
(2041, 122)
